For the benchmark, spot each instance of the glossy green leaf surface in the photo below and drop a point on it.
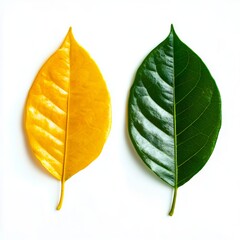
(174, 112)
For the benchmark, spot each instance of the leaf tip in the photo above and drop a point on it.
(172, 28)
(70, 30)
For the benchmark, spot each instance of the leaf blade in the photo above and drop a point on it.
(68, 112)
(180, 100)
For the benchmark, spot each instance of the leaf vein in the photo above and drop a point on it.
(44, 149)
(184, 69)
(193, 88)
(47, 118)
(199, 116)
(152, 145)
(153, 123)
(186, 140)
(152, 98)
(158, 74)
(53, 80)
(50, 135)
(204, 145)
(52, 103)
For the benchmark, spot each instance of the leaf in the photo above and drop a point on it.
(68, 112)
(174, 112)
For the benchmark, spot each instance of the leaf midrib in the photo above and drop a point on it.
(66, 131)
(174, 116)
(175, 132)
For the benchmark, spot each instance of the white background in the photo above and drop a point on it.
(117, 197)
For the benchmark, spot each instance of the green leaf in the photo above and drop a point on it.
(174, 112)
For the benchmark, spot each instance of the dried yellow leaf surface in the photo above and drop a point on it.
(68, 112)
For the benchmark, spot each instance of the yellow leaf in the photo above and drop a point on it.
(68, 112)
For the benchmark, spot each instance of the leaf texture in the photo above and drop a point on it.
(68, 112)
(174, 112)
